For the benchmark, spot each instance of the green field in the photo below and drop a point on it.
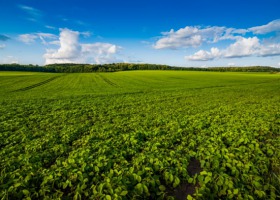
(139, 135)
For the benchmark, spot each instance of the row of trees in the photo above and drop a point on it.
(245, 69)
(80, 68)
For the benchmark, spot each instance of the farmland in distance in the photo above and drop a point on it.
(139, 135)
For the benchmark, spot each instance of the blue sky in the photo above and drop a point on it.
(173, 32)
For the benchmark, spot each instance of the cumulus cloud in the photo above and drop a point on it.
(243, 47)
(246, 41)
(69, 49)
(4, 37)
(203, 55)
(72, 51)
(100, 52)
(194, 36)
(267, 28)
(31, 38)
(185, 37)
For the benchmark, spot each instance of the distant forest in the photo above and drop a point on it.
(114, 67)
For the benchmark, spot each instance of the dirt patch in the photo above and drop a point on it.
(194, 167)
(184, 189)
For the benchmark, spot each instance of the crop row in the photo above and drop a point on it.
(143, 146)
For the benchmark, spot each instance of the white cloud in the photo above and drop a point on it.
(2, 46)
(9, 59)
(270, 50)
(242, 47)
(268, 28)
(203, 55)
(72, 51)
(31, 38)
(69, 50)
(185, 37)
(100, 52)
(27, 38)
(194, 36)
(55, 42)
(231, 64)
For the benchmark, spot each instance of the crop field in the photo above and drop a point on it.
(140, 135)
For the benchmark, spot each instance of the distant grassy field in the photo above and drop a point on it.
(139, 135)
(50, 85)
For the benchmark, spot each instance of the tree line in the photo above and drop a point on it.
(114, 67)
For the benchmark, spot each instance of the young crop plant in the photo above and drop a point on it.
(140, 135)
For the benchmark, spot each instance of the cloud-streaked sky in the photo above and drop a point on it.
(173, 32)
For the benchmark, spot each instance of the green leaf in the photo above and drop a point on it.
(139, 187)
(189, 197)
(100, 187)
(162, 188)
(200, 178)
(25, 192)
(171, 178)
(145, 189)
(241, 140)
(148, 169)
(108, 197)
(17, 185)
(250, 197)
(269, 152)
(190, 180)
(235, 191)
(257, 184)
(176, 182)
(138, 178)
(124, 193)
(207, 179)
(203, 173)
